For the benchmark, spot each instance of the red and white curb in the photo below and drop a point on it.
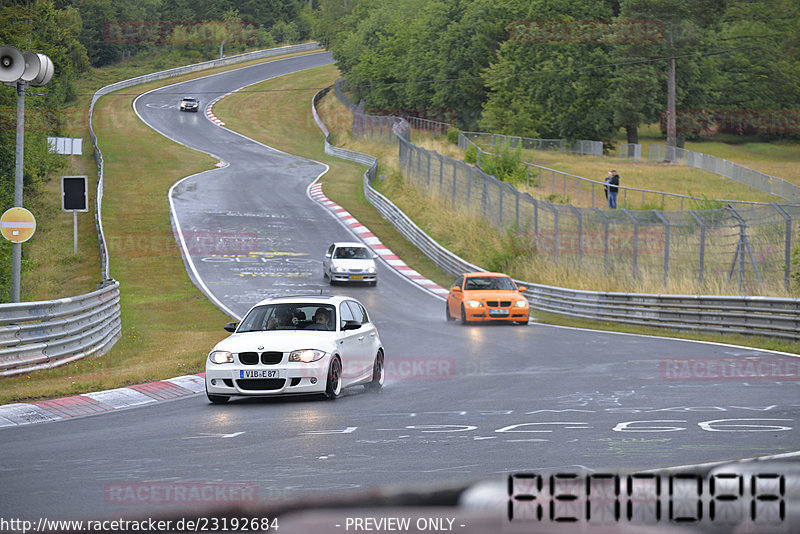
(315, 192)
(210, 111)
(100, 401)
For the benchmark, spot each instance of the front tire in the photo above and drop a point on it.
(378, 373)
(463, 315)
(333, 389)
(447, 311)
(216, 399)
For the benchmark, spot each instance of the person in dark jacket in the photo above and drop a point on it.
(611, 190)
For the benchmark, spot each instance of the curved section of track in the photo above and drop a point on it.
(460, 404)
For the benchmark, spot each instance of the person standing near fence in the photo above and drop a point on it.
(611, 190)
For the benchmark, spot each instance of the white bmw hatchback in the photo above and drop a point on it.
(297, 345)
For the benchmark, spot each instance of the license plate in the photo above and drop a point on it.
(356, 277)
(498, 312)
(263, 373)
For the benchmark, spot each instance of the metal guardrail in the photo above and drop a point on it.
(46, 334)
(767, 316)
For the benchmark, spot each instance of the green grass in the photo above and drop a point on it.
(168, 325)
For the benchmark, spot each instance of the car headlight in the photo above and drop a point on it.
(306, 355)
(474, 304)
(340, 269)
(220, 356)
(521, 303)
(371, 270)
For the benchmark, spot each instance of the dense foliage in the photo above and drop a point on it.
(559, 68)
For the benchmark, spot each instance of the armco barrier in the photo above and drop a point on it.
(767, 316)
(45, 334)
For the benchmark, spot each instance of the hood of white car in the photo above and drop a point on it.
(353, 264)
(279, 341)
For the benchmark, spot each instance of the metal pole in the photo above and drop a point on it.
(787, 245)
(75, 232)
(666, 245)
(16, 248)
(701, 266)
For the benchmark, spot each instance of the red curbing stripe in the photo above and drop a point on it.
(72, 406)
(162, 390)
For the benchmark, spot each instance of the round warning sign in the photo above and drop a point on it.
(17, 225)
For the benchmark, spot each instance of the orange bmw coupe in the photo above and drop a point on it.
(486, 297)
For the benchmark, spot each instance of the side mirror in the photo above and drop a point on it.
(231, 327)
(455, 289)
(374, 256)
(351, 325)
(522, 289)
(327, 254)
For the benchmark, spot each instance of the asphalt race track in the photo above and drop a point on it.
(460, 404)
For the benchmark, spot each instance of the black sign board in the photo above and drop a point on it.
(73, 193)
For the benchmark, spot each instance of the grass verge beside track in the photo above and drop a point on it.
(168, 325)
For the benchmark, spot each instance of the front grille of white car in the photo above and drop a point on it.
(266, 358)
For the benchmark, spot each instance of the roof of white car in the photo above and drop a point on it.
(305, 299)
(349, 244)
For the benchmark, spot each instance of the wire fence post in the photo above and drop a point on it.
(580, 233)
(702, 245)
(742, 248)
(635, 241)
(455, 181)
(666, 245)
(787, 245)
(469, 183)
(605, 237)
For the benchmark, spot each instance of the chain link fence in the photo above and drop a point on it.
(749, 243)
(722, 167)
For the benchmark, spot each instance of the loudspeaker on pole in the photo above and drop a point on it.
(12, 64)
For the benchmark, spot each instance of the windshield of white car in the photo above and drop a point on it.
(489, 283)
(290, 316)
(351, 253)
